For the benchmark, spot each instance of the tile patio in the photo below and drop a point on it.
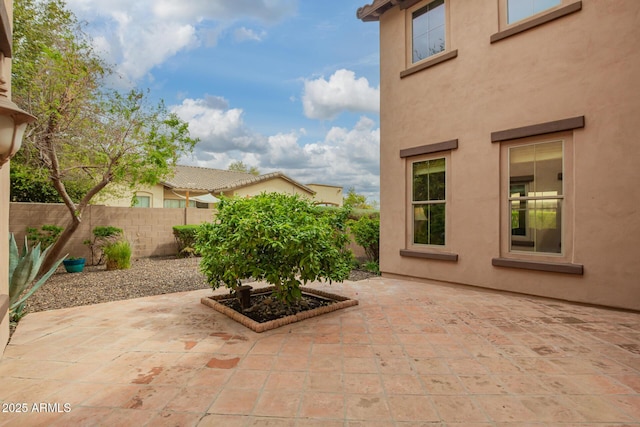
(410, 354)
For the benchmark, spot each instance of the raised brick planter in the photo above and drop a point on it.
(340, 302)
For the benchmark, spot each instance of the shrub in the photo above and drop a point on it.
(372, 267)
(102, 236)
(366, 232)
(186, 239)
(279, 238)
(46, 235)
(23, 269)
(118, 255)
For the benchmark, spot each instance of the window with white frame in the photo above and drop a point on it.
(518, 10)
(140, 201)
(428, 201)
(536, 197)
(428, 30)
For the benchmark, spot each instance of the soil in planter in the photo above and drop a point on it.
(265, 307)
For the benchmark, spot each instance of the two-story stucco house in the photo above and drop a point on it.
(510, 145)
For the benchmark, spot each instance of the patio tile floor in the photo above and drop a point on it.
(410, 354)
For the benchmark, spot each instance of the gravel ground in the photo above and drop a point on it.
(146, 277)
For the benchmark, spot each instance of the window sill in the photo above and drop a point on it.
(429, 63)
(440, 256)
(525, 26)
(539, 266)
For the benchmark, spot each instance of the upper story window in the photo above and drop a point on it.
(518, 10)
(428, 30)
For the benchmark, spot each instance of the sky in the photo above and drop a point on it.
(282, 85)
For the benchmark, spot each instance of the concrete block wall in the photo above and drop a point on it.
(149, 230)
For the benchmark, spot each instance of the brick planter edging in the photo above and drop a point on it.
(341, 302)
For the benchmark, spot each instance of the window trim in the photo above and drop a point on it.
(558, 263)
(417, 154)
(430, 62)
(533, 21)
(555, 126)
(552, 267)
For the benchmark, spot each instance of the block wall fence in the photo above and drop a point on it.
(149, 230)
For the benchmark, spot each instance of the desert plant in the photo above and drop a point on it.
(23, 269)
(46, 235)
(118, 255)
(185, 236)
(102, 236)
(366, 233)
(281, 239)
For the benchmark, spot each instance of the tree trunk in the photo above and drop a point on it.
(56, 251)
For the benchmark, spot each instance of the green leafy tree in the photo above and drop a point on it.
(239, 166)
(366, 233)
(355, 200)
(84, 133)
(279, 238)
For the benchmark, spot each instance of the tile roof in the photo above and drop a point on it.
(217, 180)
(260, 178)
(198, 178)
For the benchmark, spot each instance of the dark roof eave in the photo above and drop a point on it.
(371, 12)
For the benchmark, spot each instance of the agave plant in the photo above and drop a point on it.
(23, 269)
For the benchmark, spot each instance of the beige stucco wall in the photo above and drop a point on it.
(123, 196)
(4, 209)
(4, 251)
(327, 194)
(276, 185)
(584, 64)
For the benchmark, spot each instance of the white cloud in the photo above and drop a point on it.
(246, 34)
(142, 34)
(219, 129)
(325, 100)
(345, 156)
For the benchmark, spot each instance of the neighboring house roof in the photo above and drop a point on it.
(194, 178)
(260, 178)
(325, 185)
(204, 179)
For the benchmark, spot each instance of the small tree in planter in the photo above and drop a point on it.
(281, 239)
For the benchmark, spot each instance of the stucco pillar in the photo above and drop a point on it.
(4, 256)
(6, 18)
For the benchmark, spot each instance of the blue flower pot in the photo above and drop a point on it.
(74, 265)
